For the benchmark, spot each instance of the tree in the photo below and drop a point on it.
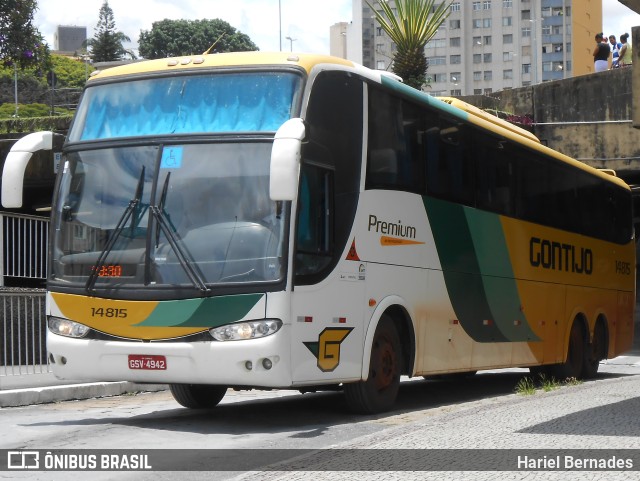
(106, 44)
(174, 38)
(21, 44)
(413, 24)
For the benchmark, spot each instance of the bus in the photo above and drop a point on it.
(278, 220)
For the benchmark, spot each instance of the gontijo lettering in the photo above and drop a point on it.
(560, 256)
(391, 228)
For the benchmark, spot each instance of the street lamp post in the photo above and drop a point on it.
(291, 40)
(280, 23)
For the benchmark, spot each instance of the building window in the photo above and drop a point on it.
(486, 22)
(455, 59)
(488, 75)
(454, 42)
(507, 21)
(454, 24)
(526, 68)
(507, 3)
(487, 91)
(546, 30)
(556, 30)
(379, 31)
(546, 11)
(477, 58)
(507, 38)
(455, 7)
(526, 32)
(507, 56)
(456, 92)
(488, 58)
(380, 65)
(486, 5)
(487, 39)
(439, 77)
(477, 91)
(477, 23)
(525, 14)
(546, 66)
(456, 77)
(439, 60)
(507, 74)
(437, 42)
(477, 6)
(477, 75)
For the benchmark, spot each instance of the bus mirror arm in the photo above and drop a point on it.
(16, 164)
(285, 160)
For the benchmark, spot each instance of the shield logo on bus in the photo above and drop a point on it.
(327, 349)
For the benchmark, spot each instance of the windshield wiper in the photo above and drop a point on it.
(186, 264)
(122, 222)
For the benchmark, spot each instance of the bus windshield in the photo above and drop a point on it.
(194, 215)
(187, 104)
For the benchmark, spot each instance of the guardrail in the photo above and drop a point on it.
(24, 246)
(23, 325)
(23, 243)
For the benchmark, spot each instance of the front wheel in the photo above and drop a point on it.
(197, 396)
(378, 393)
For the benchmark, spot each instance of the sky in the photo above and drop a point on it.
(305, 22)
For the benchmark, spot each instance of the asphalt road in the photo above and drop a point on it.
(473, 415)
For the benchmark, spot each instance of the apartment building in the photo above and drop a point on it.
(491, 45)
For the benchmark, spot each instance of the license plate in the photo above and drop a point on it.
(153, 363)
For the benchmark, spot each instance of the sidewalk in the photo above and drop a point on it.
(40, 388)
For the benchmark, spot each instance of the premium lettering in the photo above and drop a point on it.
(391, 228)
(559, 256)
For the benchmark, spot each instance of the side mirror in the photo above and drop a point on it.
(285, 160)
(16, 164)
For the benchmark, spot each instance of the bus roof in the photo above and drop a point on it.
(473, 110)
(190, 62)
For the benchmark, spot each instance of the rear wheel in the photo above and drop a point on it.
(596, 351)
(197, 396)
(572, 368)
(378, 393)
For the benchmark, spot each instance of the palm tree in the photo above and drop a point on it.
(413, 24)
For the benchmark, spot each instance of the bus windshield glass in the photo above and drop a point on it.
(192, 215)
(187, 104)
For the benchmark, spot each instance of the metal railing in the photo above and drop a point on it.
(23, 244)
(24, 330)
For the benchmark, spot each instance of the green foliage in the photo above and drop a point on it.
(35, 124)
(410, 26)
(70, 72)
(106, 44)
(21, 44)
(525, 386)
(173, 38)
(7, 110)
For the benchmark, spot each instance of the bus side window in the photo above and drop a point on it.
(449, 166)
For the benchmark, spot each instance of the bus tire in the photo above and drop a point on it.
(378, 393)
(596, 351)
(197, 396)
(573, 366)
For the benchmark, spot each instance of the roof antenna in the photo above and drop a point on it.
(214, 44)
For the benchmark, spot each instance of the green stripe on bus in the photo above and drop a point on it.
(207, 312)
(492, 254)
(461, 270)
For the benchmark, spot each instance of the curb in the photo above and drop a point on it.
(51, 394)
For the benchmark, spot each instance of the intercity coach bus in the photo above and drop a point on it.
(271, 220)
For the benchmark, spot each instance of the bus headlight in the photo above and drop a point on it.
(65, 327)
(246, 330)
